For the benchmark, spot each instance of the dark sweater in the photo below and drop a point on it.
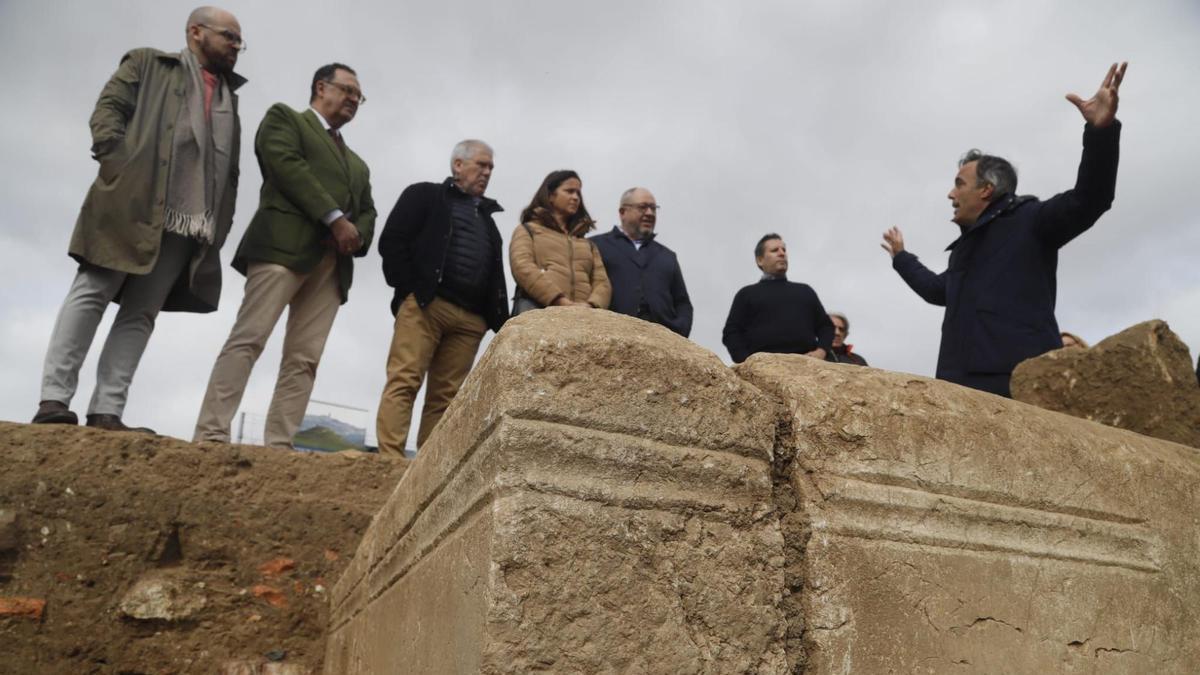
(778, 316)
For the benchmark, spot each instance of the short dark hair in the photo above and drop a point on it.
(326, 73)
(540, 210)
(761, 246)
(989, 169)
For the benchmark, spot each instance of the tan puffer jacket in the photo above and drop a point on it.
(547, 263)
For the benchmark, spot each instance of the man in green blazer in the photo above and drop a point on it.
(165, 131)
(315, 214)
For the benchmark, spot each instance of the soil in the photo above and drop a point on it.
(232, 550)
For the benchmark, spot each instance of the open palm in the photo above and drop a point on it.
(1101, 109)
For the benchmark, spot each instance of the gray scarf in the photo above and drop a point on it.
(200, 157)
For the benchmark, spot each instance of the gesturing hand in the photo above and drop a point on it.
(893, 241)
(1101, 109)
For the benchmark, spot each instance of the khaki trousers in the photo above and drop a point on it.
(440, 340)
(312, 300)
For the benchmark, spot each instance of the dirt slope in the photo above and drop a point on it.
(153, 555)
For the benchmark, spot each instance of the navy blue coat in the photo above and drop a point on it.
(646, 282)
(1000, 286)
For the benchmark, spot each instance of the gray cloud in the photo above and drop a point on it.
(825, 121)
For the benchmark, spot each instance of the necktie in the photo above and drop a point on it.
(337, 140)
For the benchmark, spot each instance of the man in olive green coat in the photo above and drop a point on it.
(314, 215)
(166, 133)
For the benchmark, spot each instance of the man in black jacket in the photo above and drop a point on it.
(999, 288)
(441, 252)
(776, 315)
(645, 275)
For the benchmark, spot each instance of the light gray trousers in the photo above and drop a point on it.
(75, 329)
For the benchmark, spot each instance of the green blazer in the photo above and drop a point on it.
(305, 176)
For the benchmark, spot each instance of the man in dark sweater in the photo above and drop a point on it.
(776, 315)
(441, 252)
(645, 275)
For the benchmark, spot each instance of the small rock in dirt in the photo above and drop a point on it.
(160, 597)
(273, 596)
(276, 567)
(276, 655)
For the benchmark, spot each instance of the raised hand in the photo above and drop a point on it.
(893, 241)
(1101, 109)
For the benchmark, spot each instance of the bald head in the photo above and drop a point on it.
(639, 212)
(215, 37)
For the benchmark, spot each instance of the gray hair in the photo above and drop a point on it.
(466, 150)
(844, 320)
(992, 170)
(627, 194)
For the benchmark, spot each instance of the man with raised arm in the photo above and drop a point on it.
(999, 287)
(166, 134)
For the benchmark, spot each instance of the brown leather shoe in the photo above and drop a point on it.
(113, 423)
(54, 412)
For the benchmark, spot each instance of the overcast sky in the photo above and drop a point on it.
(824, 121)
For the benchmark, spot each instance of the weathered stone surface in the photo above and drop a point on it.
(1141, 379)
(596, 499)
(161, 597)
(932, 528)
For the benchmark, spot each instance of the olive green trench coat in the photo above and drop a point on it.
(120, 225)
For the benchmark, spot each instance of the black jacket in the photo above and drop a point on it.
(646, 282)
(776, 316)
(999, 288)
(415, 241)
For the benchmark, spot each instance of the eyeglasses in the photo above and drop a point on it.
(233, 38)
(644, 207)
(348, 90)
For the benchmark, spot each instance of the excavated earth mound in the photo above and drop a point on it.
(127, 553)
(1140, 379)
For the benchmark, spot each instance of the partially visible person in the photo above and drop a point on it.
(842, 351)
(776, 315)
(1000, 284)
(1072, 340)
(645, 275)
(315, 215)
(441, 253)
(167, 135)
(552, 263)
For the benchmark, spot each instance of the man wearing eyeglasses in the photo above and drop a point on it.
(646, 279)
(441, 253)
(315, 214)
(166, 133)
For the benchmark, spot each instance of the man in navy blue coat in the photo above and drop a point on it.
(645, 275)
(999, 287)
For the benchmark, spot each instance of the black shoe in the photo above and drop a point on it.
(113, 423)
(54, 412)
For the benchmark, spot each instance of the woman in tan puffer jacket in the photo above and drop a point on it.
(552, 263)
